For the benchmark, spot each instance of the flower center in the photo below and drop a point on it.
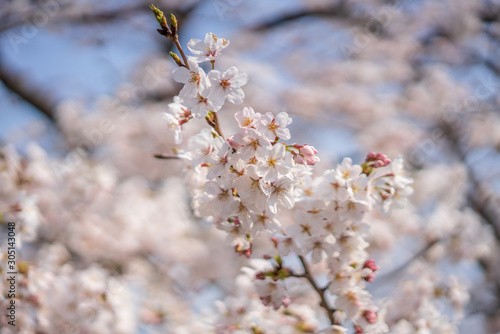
(225, 84)
(273, 126)
(195, 78)
(246, 121)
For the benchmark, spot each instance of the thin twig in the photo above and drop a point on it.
(217, 125)
(165, 156)
(320, 291)
(20, 85)
(179, 47)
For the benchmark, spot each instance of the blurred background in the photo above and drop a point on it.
(84, 83)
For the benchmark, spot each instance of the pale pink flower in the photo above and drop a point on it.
(252, 144)
(174, 126)
(227, 85)
(275, 164)
(272, 127)
(302, 231)
(347, 170)
(252, 191)
(319, 245)
(194, 80)
(209, 49)
(281, 192)
(247, 118)
(353, 301)
(200, 106)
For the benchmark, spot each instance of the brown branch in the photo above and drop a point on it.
(392, 274)
(81, 18)
(85, 18)
(165, 156)
(480, 207)
(481, 204)
(319, 291)
(217, 125)
(21, 86)
(338, 11)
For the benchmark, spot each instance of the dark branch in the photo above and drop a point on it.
(319, 291)
(337, 11)
(21, 86)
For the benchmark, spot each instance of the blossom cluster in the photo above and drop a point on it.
(245, 183)
(108, 244)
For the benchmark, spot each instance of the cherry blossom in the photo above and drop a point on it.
(227, 85)
(194, 80)
(208, 49)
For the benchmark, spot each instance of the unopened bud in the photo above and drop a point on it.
(369, 278)
(370, 264)
(371, 156)
(233, 143)
(275, 242)
(370, 316)
(177, 59)
(308, 151)
(160, 17)
(307, 155)
(260, 276)
(173, 24)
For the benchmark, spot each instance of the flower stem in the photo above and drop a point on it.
(175, 39)
(216, 124)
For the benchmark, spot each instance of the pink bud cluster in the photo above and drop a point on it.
(306, 155)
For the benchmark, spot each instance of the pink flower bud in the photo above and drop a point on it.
(306, 155)
(370, 316)
(311, 161)
(369, 278)
(298, 159)
(377, 160)
(275, 242)
(234, 144)
(370, 264)
(308, 151)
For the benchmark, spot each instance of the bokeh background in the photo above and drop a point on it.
(84, 83)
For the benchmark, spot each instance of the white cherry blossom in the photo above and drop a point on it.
(194, 80)
(227, 85)
(272, 127)
(247, 118)
(208, 49)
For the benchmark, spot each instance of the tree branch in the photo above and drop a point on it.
(21, 86)
(320, 292)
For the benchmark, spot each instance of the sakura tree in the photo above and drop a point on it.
(237, 207)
